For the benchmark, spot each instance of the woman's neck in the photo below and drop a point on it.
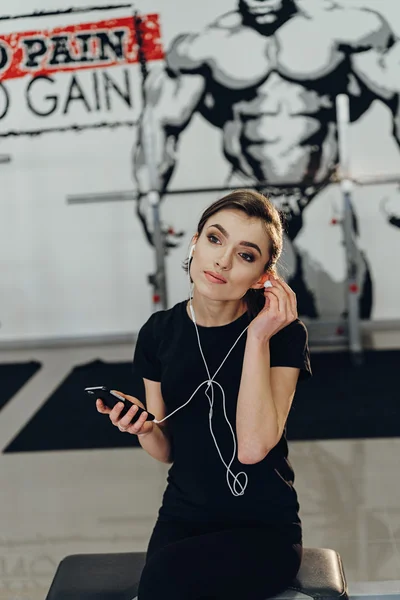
(214, 313)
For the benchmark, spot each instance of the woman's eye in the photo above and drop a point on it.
(213, 239)
(247, 257)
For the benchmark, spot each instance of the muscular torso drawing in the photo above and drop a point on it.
(277, 109)
(272, 96)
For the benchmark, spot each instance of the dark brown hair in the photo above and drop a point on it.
(253, 204)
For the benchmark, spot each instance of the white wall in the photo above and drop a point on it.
(82, 270)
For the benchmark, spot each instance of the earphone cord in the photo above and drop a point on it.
(238, 488)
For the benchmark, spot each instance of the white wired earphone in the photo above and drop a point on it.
(238, 488)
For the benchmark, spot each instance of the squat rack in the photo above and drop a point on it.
(350, 332)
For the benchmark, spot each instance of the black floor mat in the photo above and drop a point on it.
(69, 419)
(13, 376)
(345, 401)
(340, 401)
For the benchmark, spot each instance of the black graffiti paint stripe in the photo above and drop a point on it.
(66, 11)
(36, 132)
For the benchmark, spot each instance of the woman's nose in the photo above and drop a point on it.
(224, 261)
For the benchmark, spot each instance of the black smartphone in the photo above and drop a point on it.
(111, 398)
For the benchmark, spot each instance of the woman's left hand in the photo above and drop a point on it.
(279, 310)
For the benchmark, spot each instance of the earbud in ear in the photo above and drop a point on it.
(267, 284)
(191, 251)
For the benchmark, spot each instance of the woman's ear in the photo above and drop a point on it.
(260, 283)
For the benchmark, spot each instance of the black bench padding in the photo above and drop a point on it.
(101, 576)
(116, 576)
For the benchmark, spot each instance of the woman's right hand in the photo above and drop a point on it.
(139, 428)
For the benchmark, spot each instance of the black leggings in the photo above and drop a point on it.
(187, 561)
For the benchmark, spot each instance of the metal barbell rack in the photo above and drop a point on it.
(351, 331)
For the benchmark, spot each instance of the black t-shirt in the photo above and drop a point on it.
(167, 351)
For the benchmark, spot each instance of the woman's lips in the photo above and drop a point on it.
(214, 278)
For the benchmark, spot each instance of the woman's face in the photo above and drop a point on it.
(230, 255)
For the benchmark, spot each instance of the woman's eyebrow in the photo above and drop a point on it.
(242, 243)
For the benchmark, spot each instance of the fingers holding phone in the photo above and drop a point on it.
(127, 422)
(129, 398)
(125, 412)
(101, 407)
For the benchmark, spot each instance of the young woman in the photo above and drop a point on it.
(226, 363)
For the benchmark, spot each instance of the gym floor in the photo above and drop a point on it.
(59, 503)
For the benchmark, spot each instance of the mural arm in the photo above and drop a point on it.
(367, 37)
(172, 97)
(379, 70)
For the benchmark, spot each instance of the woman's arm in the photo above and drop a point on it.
(156, 442)
(265, 393)
(264, 401)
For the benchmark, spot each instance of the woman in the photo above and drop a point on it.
(226, 364)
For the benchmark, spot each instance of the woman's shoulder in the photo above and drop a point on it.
(159, 326)
(295, 329)
(289, 348)
(162, 322)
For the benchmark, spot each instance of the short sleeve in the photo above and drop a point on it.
(289, 348)
(145, 361)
